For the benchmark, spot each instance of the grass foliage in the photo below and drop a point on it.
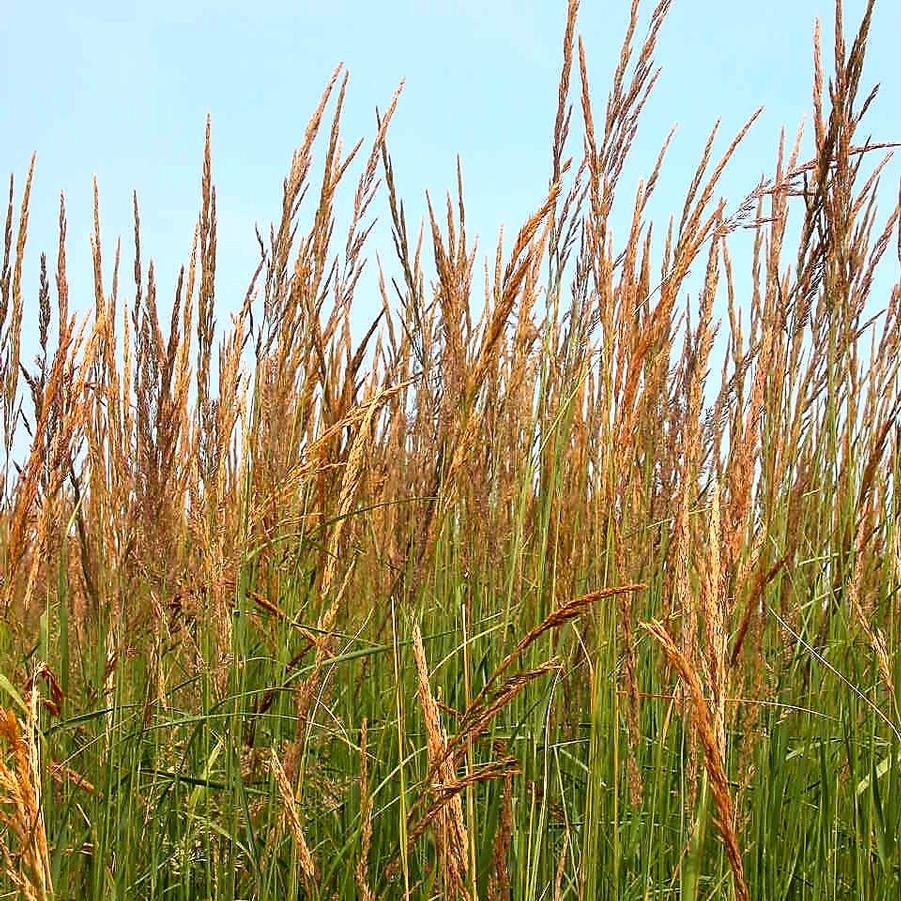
(510, 599)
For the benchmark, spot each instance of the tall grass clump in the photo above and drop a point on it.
(511, 598)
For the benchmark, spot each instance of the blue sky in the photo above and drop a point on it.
(122, 91)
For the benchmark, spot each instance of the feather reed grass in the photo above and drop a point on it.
(569, 556)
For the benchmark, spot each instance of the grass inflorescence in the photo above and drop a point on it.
(510, 598)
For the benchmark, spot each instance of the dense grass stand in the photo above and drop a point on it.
(509, 600)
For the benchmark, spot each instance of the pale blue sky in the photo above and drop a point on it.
(122, 90)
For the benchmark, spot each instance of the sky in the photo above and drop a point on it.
(121, 91)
